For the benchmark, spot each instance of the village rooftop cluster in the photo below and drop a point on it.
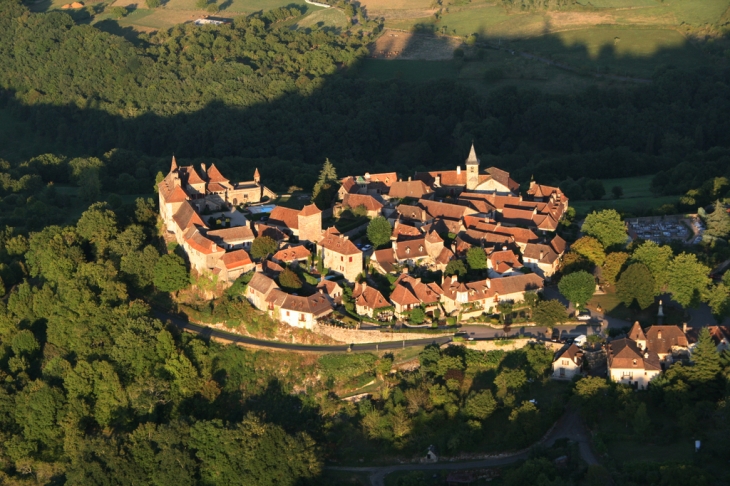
(485, 210)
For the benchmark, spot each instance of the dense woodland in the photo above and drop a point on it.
(254, 94)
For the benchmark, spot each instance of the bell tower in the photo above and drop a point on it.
(472, 170)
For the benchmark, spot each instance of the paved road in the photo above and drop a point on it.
(569, 426)
(209, 332)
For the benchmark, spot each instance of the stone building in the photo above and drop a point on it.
(340, 255)
(304, 224)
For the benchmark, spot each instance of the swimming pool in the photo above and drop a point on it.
(266, 208)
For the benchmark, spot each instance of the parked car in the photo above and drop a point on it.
(580, 340)
(555, 337)
(584, 316)
(367, 247)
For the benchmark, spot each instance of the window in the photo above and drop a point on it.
(350, 259)
(342, 259)
(287, 313)
(566, 362)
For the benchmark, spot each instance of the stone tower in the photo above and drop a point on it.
(310, 224)
(472, 170)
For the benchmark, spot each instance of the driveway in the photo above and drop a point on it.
(569, 426)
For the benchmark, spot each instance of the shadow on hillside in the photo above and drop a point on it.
(380, 126)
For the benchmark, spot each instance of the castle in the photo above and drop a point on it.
(186, 197)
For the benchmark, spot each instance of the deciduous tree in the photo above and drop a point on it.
(590, 248)
(476, 257)
(607, 227)
(263, 246)
(577, 287)
(636, 283)
(657, 259)
(688, 280)
(612, 266)
(171, 274)
(379, 231)
(550, 313)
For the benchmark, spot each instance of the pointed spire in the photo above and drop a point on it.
(256, 175)
(173, 167)
(472, 159)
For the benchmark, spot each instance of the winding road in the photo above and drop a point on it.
(569, 426)
(209, 332)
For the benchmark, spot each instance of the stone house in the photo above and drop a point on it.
(542, 259)
(630, 365)
(368, 300)
(238, 237)
(410, 189)
(501, 263)
(487, 294)
(384, 260)
(232, 265)
(372, 184)
(372, 206)
(305, 224)
(331, 289)
(410, 292)
(291, 254)
(567, 363)
(258, 290)
(667, 342)
(300, 311)
(340, 255)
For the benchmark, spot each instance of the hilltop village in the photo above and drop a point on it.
(486, 217)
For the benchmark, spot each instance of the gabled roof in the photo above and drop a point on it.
(520, 235)
(236, 259)
(368, 297)
(625, 354)
(348, 184)
(503, 261)
(270, 231)
(411, 211)
(338, 244)
(540, 190)
(186, 216)
(292, 253)
(192, 175)
(571, 352)
(413, 189)
(355, 200)
(411, 249)
(558, 244)
(436, 209)
(517, 283)
(385, 258)
(503, 178)
(409, 290)
(445, 256)
(231, 235)
(405, 230)
(315, 304)
(661, 339)
(214, 175)
(539, 252)
(199, 242)
(284, 217)
(310, 210)
(385, 178)
(519, 217)
(637, 333)
(329, 286)
(271, 268)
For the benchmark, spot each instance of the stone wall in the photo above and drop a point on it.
(491, 345)
(353, 336)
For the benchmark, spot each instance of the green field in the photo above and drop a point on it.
(324, 18)
(637, 196)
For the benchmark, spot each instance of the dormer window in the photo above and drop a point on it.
(420, 248)
(408, 250)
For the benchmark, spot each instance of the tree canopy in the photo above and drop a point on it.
(577, 287)
(379, 231)
(607, 227)
(170, 273)
(263, 246)
(636, 283)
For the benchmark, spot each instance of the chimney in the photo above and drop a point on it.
(409, 178)
(659, 335)
(437, 181)
(363, 285)
(489, 284)
(541, 255)
(202, 166)
(504, 247)
(646, 355)
(684, 327)
(458, 170)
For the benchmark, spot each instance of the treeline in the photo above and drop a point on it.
(259, 94)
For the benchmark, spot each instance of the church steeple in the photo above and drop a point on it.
(256, 176)
(173, 167)
(472, 159)
(472, 170)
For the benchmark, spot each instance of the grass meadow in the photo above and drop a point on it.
(637, 196)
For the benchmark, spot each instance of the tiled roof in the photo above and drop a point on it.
(625, 354)
(348, 184)
(216, 187)
(521, 235)
(386, 178)
(571, 352)
(385, 258)
(271, 232)
(214, 175)
(437, 209)
(517, 283)
(410, 290)
(191, 174)
(558, 244)
(413, 189)
(445, 256)
(369, 297)
(329, 286)
(315, 304)
(338, 244)
(402, 229)
(292, 253)
(637, 333)
(310, 210)
(186, 216)
(503, 261)
(517, 217)
(235, 259)
(355, 200)
(446, 177)
(539, 252)
(411, 249)
(231, 235)
(284, 217)
(412, 212)
(200, 243)
(503, 178)
(660, 339)
(271, 268)
(540, 190)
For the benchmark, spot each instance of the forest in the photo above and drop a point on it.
(252, 94)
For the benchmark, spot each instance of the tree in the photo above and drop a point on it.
(718, 222)
(706, 359)
(590, 248)
(455, 267)
(642, 423)
(617, 191)
(476, 257)
(636, 283)
(325, 188)
(289, 280)
(718, 298)
(170, 273)
(550, 313)
(119, 12)
(606, 226)
(577, 287)
(263, 246)
(153, 4)
(688, 280)
(201, 4)
(480, 405)
(379, 231)
(657, 259)
(212, 8)
(612, 266)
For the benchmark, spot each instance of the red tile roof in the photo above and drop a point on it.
(661, 339)
(236, 259)
(368, 297)
(503, 261)
(284, 217)
(186, 216)
(338, 244)
(411, 249)
(192, 175)
(355, 200)
(310, 210)
(625, 354)
(409, 290)
(315, 304)
(414, 189)
(233, 235)
(292, 253)
(197, 241)
(214, 175)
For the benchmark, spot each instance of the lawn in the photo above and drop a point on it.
(325, 18)
(407, 70)
(639, 204)
(240, 6)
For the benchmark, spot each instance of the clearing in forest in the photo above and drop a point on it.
(402, 45)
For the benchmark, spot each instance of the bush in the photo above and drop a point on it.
(119, 12)
(152, 3)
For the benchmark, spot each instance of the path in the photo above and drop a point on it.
(569, 426)
(210, 332)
